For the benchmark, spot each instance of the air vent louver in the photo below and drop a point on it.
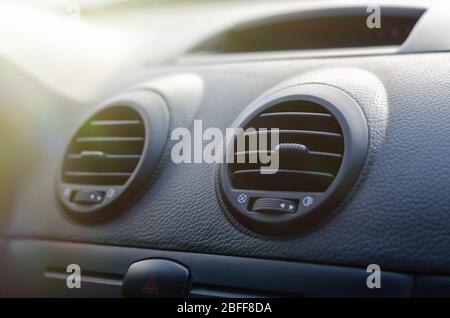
(322, 144)
(310, 151)
(107, 149)
(111, 156)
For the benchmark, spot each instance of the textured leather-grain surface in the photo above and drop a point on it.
(398, 214)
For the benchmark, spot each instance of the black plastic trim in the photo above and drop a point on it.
(211, 275)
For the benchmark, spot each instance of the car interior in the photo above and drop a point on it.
(224, 149)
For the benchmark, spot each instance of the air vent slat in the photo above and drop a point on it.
(113, 148)
(113, 128)
(107, 156)
(315, 154)
(102, 164)
(96, 174)
(313, 161)
(283, 180)
(91, 178)
(110, 139)
(297, 132)
(315, 140)
(326, 154)
(286, 171)
(296, 114)
(114, 122)
(324, 124)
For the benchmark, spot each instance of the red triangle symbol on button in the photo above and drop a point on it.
(150, 285)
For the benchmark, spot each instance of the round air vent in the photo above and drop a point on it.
(316, 138)
(112, 155)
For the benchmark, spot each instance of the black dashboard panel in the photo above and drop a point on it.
(386, 219)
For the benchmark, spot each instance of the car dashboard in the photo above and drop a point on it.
(92, 117)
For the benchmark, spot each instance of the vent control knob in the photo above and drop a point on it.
(88, 197)
(274, 205)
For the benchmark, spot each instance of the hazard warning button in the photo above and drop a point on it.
(156, 278)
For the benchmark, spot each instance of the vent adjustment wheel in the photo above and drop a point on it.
(322, 140)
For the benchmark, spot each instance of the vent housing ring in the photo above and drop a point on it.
(323, 141)
(111, 156)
